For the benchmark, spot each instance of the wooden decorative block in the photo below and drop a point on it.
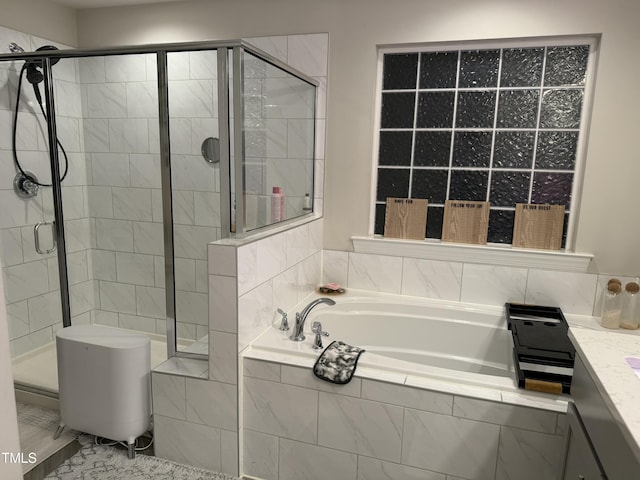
(538, 226)
(465, 222)
(406, 218)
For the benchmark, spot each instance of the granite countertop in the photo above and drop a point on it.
(603, 352)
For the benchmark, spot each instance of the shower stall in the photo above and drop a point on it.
(120, 165)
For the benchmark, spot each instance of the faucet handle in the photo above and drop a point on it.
(284, 323)
(316, 328)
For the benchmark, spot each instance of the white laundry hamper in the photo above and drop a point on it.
(104, 382)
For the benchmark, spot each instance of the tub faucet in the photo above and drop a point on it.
(301, 317)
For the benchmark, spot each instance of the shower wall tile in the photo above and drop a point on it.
(81, 298)
(96, 135)
(110, 169)
(194, 306)
(118, 297)
(203, 64)
(78, 235)
(106, 100)
(103, 264)
(92, 70)
(145, 170)
(68, 100)
(185, 274)
(207, 209)
(191, 241)
(11, 246)
(135, 268)
(17, 211)
(193, 98)
(148, 238)
(18, 317)
(30, 342)
(115, 235)
(132, 204)
(151, 302)
(44, 311)
(100, 201)
(146, 100)
(136, 322)
(26, 280)
(126, 68)
(128, 135)
(77, 266)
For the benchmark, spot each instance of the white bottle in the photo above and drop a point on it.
(283, 205)
(307, 204)
(276, 205)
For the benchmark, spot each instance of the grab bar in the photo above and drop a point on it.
(36, 237)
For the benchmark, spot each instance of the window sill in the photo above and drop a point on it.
(485, 254)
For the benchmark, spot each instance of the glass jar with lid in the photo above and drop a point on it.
(630, 316)
(611, 306)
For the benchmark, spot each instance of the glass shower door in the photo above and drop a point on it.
(28, 243)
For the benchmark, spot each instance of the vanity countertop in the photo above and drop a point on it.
(603, 352)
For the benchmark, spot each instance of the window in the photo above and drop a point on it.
(497, 122)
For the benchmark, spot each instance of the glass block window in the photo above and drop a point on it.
(499, 124)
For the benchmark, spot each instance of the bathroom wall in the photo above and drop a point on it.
(357, 27)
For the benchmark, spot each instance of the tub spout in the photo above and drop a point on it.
(301, 317)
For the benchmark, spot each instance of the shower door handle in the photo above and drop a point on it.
(36, 237)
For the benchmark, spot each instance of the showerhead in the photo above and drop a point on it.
(15, 48)
(34, 76)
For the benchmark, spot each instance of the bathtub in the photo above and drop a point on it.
(450, 341)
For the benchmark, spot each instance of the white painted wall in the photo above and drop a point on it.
(355, 29)
(9, 441)
(42, 18)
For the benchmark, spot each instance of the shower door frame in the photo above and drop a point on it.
(224, 49)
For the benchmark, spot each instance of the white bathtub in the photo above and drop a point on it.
(449, 341)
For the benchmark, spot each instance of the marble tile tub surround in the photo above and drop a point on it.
(575, 293)
(295, 423)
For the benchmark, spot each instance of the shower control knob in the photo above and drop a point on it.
(24, 185)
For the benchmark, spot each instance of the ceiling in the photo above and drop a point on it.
(106, 3)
